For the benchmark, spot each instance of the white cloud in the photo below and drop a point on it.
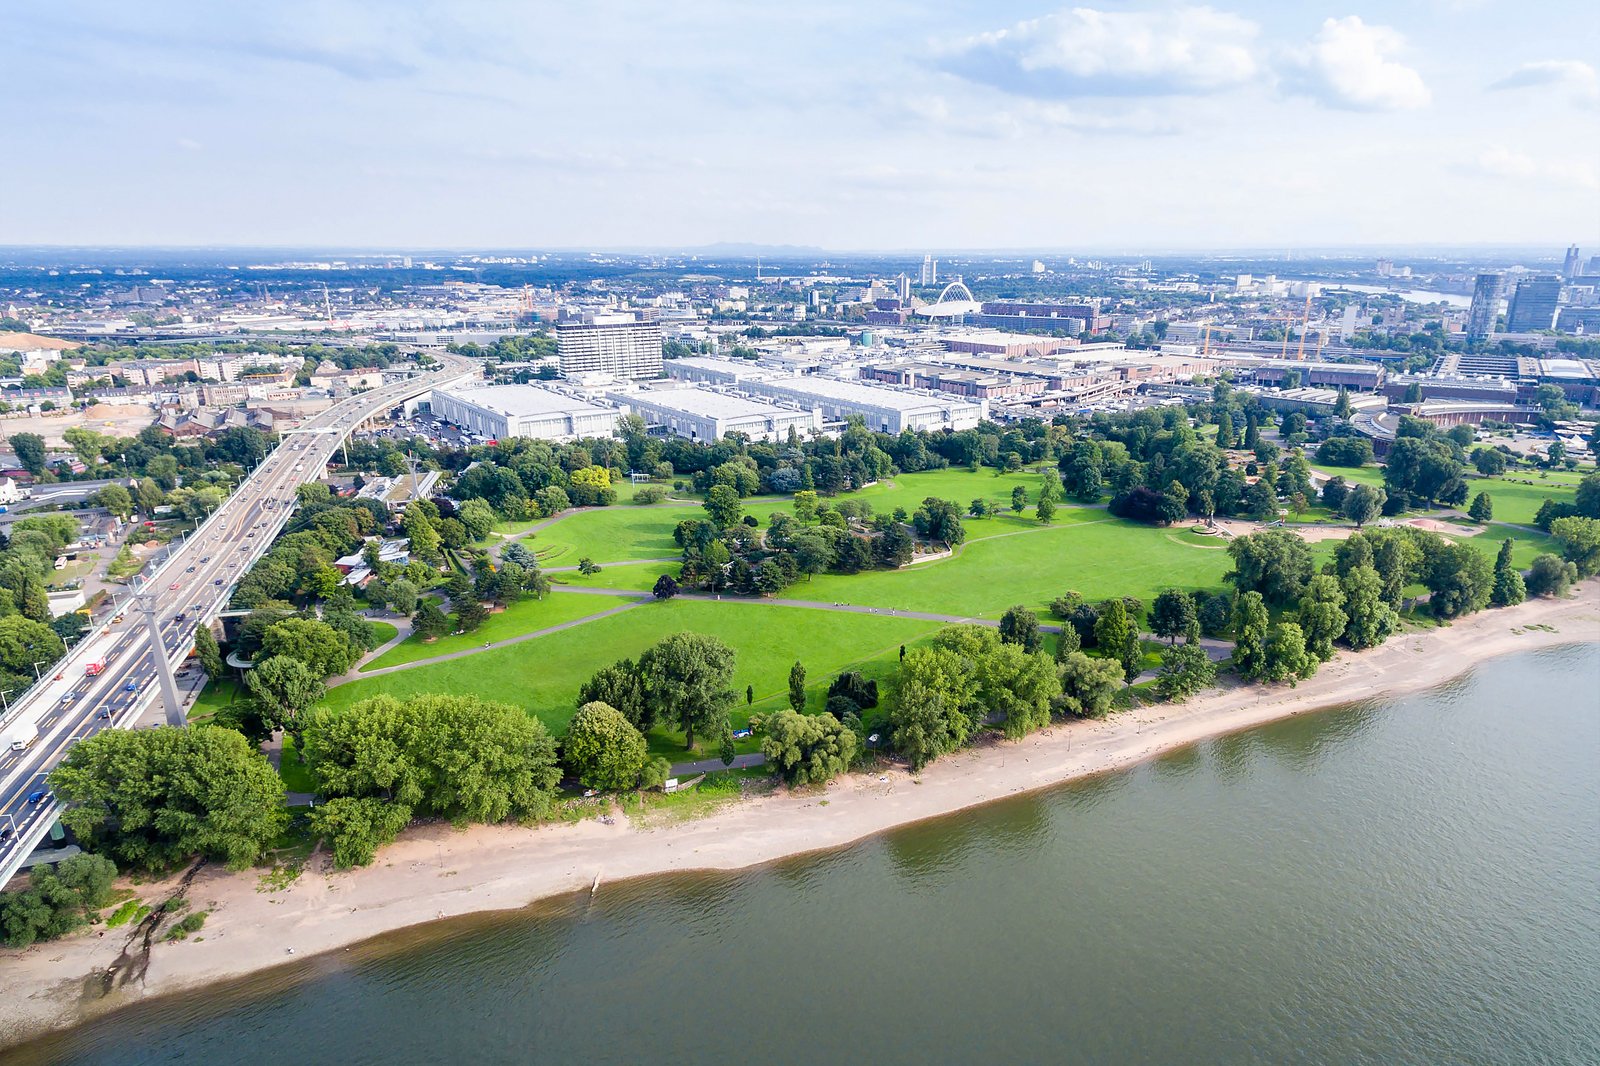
(1501, 162)
(1574, 76)
(1084, 52)
(1349, 65)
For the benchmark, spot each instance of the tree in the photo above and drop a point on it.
(357, 827)
(723, 506)
(57, 900)
(1363, 503)
(1019, 499)
(1172, 613)
(927, 719)
(116, 499)
(686, 676)
(1275, 563)
(285, 689)
(1334, 492)
(1250, 635)
(665, 588)
(24, 642)
(805, 506)
(30, 451)
(1371, 618)
(797, 688)
(206, 650)
(149, 495)
(1341, 407)
(1286, 656)
(1550, 575)
(470, 614)
(1088, 686)
(1460, 581)
(1020, 626)
(1322, 617)
(1509, 589)
(421, 533)
(1118, 637)
(939, 520)
(602, 749)
(429, 623)
(402, 595)
(317, 644)
(1185, 670)
(1482, 508)
(1490, 462)
(478, 517)
(807, 749)
(1046, 510)
(860, 691)
(1579, 539)
(153, 798)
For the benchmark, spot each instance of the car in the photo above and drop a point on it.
(180, 616)
(38, 796)
(68, 698)
(190, 570)
(105, 712)
(61, 675)
(205, 560)
(172, 587)
(218, 581)
(131, 686)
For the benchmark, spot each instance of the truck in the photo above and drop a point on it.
(94, 669)
(23, 734)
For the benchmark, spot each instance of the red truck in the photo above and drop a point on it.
(94, 668)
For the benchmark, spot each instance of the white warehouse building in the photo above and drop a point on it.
(886, 410)
(700, 414)
(502, 411)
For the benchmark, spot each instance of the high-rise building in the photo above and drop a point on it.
(930, 270)
(1573, 265)
(902, 289)
(1385, 267)
(1535, 305)
(625, 344)
(1486, 296)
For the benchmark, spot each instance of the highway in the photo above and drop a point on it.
(193, 583)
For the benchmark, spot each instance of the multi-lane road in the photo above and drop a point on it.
(189, 587)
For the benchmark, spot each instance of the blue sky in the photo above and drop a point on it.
(1113, 125)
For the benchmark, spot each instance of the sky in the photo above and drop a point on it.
(1122, 126)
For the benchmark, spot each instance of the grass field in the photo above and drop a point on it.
(543, 675)
(1516, 502)
(383, 633)
(519, 618)
(1355, 475)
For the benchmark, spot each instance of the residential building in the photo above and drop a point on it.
(503, 411)
(623, 344)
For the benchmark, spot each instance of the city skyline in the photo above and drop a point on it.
(1013, 125)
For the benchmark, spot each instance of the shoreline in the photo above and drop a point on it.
(436, 872)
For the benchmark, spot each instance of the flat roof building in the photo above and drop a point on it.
(714, 371)
(885, 410)
(700, 414)
(623, 344)
(502, 411)
(955, 380)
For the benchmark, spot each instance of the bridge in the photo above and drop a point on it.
(947, 307)
(115, 674)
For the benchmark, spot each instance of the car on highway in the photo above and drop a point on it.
(105, 712)
(218, 581)
(68, 698)
(190, 570)
(38, 796)
(172, 587)
(131, 686)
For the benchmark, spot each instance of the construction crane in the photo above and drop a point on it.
(1305, 321)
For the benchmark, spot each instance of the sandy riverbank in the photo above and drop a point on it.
(435, 872)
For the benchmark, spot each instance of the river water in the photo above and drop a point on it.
(1408, 881)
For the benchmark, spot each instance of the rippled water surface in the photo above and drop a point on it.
(1414, 881)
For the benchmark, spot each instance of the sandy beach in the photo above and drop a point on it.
(435, 872)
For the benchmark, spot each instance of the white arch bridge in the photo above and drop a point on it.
(947, 306)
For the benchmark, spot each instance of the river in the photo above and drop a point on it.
(1414, 296)
(1411, 881)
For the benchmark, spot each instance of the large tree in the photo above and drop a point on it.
(1250, 621)
(153, 798)
(1286, 656)
(285, 689)
(1362, 504)
(602, 749)
(30, 451)
(1185, 670)
(1371, 618)
(1509, 588)
(209, 654)
(1322, 617)
(1172, 614)
(1089, 686)
(688, 677)
(1020, 626)
(1276, 563)
(317, 644)
(1117, 636)
(807, 749)
(928, 718)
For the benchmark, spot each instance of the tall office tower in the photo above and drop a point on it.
(626, 344)
(1535, 304)
(1385, 268)
(1573, 266)
(1485, 306)
(930, 270)
(902, 288)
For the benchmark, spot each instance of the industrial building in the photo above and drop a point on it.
(954, 380)
(712, 371)
(625, 344)
(885, 410)
(501, 411)
(700, 414)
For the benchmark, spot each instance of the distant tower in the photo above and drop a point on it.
(1535, 305)
(930, 271)
(1385, 268)
(902, 288)
(1573, 265)
(1485, 306)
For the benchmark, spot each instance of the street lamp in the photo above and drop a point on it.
(36, 675)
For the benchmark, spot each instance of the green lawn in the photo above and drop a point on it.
(295, 774)
(1365, 475)
(383, 633)
(1098, 558)
(543, 675)
(640, 577)
(520, 618)
(215, 696)
(611, 534)
(1515, 502)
